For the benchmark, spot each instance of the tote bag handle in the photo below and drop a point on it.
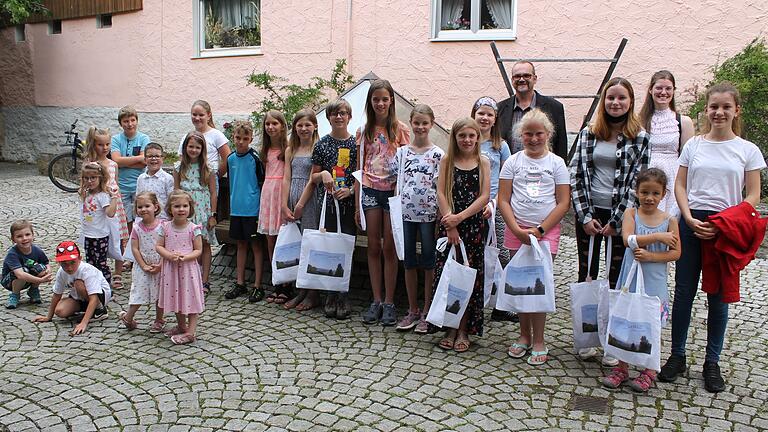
(492, 240)
(322, 213)
(442, 243)
(640, 284)
(609, 247)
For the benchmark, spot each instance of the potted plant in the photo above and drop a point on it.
(214, 31)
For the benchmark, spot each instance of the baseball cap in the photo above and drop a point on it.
(67, 251)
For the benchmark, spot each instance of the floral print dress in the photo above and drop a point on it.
(466, 188)
(201, 195)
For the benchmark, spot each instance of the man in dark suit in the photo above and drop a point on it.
(511, 110)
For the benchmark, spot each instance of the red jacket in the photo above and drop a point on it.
(722, 258)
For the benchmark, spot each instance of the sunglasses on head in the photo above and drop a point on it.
(69, 248)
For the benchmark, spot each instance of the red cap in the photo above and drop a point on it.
(67, 251)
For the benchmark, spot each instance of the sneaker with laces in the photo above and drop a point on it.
(422, 327)
(34, 295)
(644, 381)
(373, 314)
(157, 326)
(409, 321)
(586, 354)
(388, 315)
(236, 291)
(616, 378)
(674, 366)
(13, 301)
(713, 379)
(100, 314)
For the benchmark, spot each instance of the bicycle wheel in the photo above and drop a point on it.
(64, 172)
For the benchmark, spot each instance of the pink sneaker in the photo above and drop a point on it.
(409, 321)
(644, 381)
(617, 377)
(423, 326)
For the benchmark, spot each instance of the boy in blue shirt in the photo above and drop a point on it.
(25, 265)
(128, 152)
(246, 176)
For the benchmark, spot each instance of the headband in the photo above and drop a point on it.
(486, 101)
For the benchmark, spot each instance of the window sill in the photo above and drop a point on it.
(469, 36)
(229, 52)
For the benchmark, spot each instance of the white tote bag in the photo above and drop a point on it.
(453, 290)
(396, 210)
(326, 257)
(529, 283)
(491, 265)
(634, 325)
(606, 297)
(285, 259)
(585, 297)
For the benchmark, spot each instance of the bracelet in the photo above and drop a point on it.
(632, 242)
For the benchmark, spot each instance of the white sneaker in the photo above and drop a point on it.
(610, 361)
(587, 353)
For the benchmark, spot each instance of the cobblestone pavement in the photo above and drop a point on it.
(257, 367)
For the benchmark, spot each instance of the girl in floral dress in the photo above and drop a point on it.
(463, 191)
(193, 175)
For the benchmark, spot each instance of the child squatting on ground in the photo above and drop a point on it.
(25, 266)
(89, 291)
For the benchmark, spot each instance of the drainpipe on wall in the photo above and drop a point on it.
(348, 48)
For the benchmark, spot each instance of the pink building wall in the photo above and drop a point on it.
(146, 58)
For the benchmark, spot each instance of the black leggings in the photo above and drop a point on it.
(582, 245)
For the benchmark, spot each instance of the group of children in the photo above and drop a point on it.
(443, 194)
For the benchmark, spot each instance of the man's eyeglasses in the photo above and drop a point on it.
(522, 76)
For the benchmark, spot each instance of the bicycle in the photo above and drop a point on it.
(64, 169)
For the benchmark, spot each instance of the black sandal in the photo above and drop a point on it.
(256, 295)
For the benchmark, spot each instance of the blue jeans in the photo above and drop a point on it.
(687, 275)
(426, 232)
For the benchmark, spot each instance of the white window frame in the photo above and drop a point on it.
(198, 33)
(475, 33)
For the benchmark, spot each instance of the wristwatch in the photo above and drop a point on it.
(541, 229)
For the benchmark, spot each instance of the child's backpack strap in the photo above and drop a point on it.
(260, 175)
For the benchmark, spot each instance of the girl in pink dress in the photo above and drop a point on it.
(273, 144)
(181, 283)
(99, 143)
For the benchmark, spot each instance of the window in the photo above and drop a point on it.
(104, 21)
(21, 35)
(228, 27)
(54, 27)
(473, 20)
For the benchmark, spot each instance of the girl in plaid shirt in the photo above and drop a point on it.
(609, 154)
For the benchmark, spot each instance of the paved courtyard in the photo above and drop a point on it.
(258, 367)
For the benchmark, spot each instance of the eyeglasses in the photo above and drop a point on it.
(340, 114)
(69, 248)
(153, 156)
(522, 76)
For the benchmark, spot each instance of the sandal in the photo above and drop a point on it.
(280, 298)
(618, 376)
(448, 342)
(130, 325)
(461, 344)
(271, 296)
(206, 288)
(183, 339)
(307, 304)
(538, 357)
(518, 350)
(294, 302)
(256, 295)
(175, 331)
(117, 282)
(644, 381)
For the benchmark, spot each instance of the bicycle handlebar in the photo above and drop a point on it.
(71, 130)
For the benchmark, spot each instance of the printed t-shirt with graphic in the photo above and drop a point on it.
(716, 171)
(94, 218)
(418, 186)
(92, 278)
(533, 185)
(126, 177)
(379, 171)
(15, 259)
(214, 140)
(338, 157)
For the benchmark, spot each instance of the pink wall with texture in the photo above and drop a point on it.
(146, 58)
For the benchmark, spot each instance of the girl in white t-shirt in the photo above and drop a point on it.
(99, 204)
(534, 195)
(714, 170)
(217, 148)
(419, 164)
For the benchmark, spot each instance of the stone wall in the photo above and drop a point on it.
(33, 133)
